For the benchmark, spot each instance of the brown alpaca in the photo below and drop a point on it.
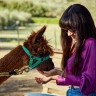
(17, 58)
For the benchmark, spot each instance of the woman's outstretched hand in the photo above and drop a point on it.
(43, 80)
(48, 75)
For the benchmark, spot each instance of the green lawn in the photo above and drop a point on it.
(45, 20)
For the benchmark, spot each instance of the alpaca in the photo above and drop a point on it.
(17, 58)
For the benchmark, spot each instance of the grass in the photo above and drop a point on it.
(45, 20)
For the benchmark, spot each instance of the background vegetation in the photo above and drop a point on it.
(26, 10)
(31, 14)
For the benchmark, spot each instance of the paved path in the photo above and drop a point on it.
(20, 85)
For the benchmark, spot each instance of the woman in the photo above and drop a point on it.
(78, 40)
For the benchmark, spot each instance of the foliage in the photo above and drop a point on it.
(8, 18)
(3, 4)
(46, 8)
(34, 10)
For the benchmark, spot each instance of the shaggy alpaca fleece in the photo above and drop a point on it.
(17, 58)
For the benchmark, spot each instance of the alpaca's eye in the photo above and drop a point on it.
(34, 48)
(41, 54)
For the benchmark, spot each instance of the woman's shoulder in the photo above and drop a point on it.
(89, 44)
(90, 41)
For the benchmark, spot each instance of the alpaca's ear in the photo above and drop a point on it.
(39, 33)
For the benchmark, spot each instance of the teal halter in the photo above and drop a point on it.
(39, 60)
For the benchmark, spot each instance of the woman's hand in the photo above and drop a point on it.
(55, 71)
(43, 80)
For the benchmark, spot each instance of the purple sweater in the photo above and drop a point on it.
(86, 78)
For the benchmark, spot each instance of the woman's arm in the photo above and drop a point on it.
(45, 79)
(48, 75)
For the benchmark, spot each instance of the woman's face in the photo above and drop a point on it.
(72, 34)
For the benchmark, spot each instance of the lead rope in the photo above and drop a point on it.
(15, 72)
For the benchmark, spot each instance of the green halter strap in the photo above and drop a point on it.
(39, 60)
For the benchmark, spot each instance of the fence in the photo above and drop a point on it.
(18, 35)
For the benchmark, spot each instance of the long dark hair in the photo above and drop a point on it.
(77, 18)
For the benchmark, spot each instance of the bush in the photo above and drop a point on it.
(27, 6)
(4, 18)
(8, 18)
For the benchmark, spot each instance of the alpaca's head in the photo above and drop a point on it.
(39, 47)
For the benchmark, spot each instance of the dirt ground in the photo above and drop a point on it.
(25, 83)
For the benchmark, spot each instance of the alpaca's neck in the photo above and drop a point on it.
(13, 60)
